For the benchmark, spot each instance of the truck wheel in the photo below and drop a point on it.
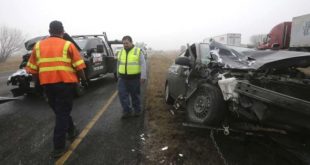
(168, 99)
(79, 89)
(206, 105)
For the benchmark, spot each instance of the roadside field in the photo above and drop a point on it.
(167, 141)
(11, 64)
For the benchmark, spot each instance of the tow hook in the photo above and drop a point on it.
(226, 129)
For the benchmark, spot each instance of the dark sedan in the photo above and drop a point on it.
(219, 85)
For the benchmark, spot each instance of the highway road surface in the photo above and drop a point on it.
(26, 129)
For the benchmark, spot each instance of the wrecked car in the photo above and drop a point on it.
(96, 51)
(24, 81)
(245, 90)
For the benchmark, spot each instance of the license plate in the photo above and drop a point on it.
(32, 84)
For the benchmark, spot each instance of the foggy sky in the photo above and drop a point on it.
(162, 24)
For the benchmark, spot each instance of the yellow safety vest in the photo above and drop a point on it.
(129, 64)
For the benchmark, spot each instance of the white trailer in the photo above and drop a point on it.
(300, 33)
(227, 39)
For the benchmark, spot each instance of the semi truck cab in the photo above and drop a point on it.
(278, 37)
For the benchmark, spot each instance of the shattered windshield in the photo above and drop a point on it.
(205, 53)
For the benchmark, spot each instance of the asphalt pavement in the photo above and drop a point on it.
(26, 127)
(4, 88)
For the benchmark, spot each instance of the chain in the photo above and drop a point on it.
(217, 147)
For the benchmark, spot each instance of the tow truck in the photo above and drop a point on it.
(95, 50)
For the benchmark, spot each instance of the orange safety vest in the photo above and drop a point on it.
(56, 60)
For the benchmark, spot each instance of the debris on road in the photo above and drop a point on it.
(164, 148)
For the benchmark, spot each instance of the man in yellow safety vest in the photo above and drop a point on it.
(132, 73)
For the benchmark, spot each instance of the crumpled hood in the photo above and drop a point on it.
(233, 61)
(19, 72)
(261, 60)
(280, 59)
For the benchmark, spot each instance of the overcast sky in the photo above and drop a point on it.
(162, 24)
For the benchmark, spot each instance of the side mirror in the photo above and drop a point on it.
(275, 46)
(100, 48)
(184, 61)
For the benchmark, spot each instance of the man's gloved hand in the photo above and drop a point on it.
(84, 83)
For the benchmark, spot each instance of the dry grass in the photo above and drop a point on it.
(11, 64)
(164, 129)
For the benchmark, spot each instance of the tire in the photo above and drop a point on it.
(206, 105)
(79, 90)
(168, 99)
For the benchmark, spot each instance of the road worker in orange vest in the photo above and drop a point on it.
(59, 66)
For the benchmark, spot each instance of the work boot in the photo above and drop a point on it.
(57, 153)
(126, 115)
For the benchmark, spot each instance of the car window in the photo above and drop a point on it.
(93, 44)
(81, 42)
(205, 53)
(87, 44)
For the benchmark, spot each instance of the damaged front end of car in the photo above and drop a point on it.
(256, 91)
(24, 82)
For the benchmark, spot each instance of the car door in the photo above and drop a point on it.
(201, 56)
(97, 58)
(110, 58)
(177, 75)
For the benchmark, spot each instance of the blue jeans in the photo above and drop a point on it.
(126, 88)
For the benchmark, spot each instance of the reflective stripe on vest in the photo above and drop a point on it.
(37, 47)
(30, 65)
(64, 59)
(56, 68)
(133, 62)
(78, 63)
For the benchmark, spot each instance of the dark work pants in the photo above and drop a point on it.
(60, 98)
(130, 87)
